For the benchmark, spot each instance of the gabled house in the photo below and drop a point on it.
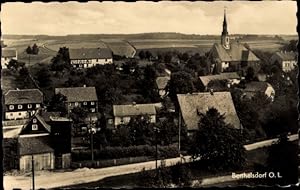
(230, 56)
(90, 57)
(286, 60)
(231, 78)
(85, 97)
(20, 104)
(34, 140)
(191, 105)
(161, 83)
(7, 55)
(254, 87)
(123, 113)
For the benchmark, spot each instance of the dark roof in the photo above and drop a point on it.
(162, 82)
(78, 94)
(34, 145)
(90, 53)
(47, 127)
(237, 52)
(286, 56)
(24, 96)
(134, 109)
(8, 53)
(192, 104)
(255, 86)
(206, 79)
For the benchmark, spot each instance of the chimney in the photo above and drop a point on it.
(211, 91)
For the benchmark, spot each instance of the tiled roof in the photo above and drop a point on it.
(255, 86)
(206, 79)
(162, 82)
(8, 53)
(132, 110)
(24, 96)
(90, 53)
(192, 104)
(47, 127)
(237, 52)
(78, 94)
(34, 145)
(286, 56)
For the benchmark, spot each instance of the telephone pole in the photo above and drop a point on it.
(32, 170)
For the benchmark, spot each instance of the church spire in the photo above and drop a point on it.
(225, 36)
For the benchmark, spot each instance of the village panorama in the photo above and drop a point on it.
(148, 109)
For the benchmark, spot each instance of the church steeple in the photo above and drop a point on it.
(225, 37)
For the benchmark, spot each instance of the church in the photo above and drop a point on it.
(231, 56)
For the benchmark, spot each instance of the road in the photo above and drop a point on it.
(45, 179)
(79, 176)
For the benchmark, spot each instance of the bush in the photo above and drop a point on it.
(124, 152)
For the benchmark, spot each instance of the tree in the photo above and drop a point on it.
(78, 114)
(168, 131)
(15, 65)
(35, 49)
(180, 83)
(142, 55)
(216, 143)
(29, 50)
(148, 55)
(43, 77)
(291, 46)
(57, 103)
(283, 160)
(250, 74)
(61, 61)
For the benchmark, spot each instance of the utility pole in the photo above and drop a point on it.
(32, 169)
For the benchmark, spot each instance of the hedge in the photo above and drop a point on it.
(126, 152)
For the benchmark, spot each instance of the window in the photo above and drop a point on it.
(20, 113)
(110, 121)
(105, 60)
(96, 60)
(76, 103)
(11, 107)
(11, 114)
(92, 103)
(93, 110)
(34, 127)
(20, 107)
(85, 103)
(29, 106)
(122, 120)
(34, 120)
(70, 104)
(37, 105)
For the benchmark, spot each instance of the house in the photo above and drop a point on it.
(254, 87)
(123, 113)
(8, 54)
(231, 78)
(230, 56)
(89, 57)
(161, 83)
(286, 60)
(85, 97)
(191, 105)
(48, 142)
(34, 140)
(22, 103)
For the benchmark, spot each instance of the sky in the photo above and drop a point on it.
(243, 17)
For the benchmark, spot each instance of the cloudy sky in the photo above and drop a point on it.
(139, 17)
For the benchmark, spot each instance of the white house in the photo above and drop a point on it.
(286, 60)
(123, 113)
(8, 54)
(89, 57)
(255, 87)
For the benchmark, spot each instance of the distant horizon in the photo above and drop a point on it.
(274, 34)
(198, 18)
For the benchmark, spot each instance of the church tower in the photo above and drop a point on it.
(225, 37)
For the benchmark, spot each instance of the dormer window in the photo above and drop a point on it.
(20, 107)
(76, 103)
(92, 103)
(37, 105)
(29, 106)
(85, 103)
(34, 127)
(11, 107)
